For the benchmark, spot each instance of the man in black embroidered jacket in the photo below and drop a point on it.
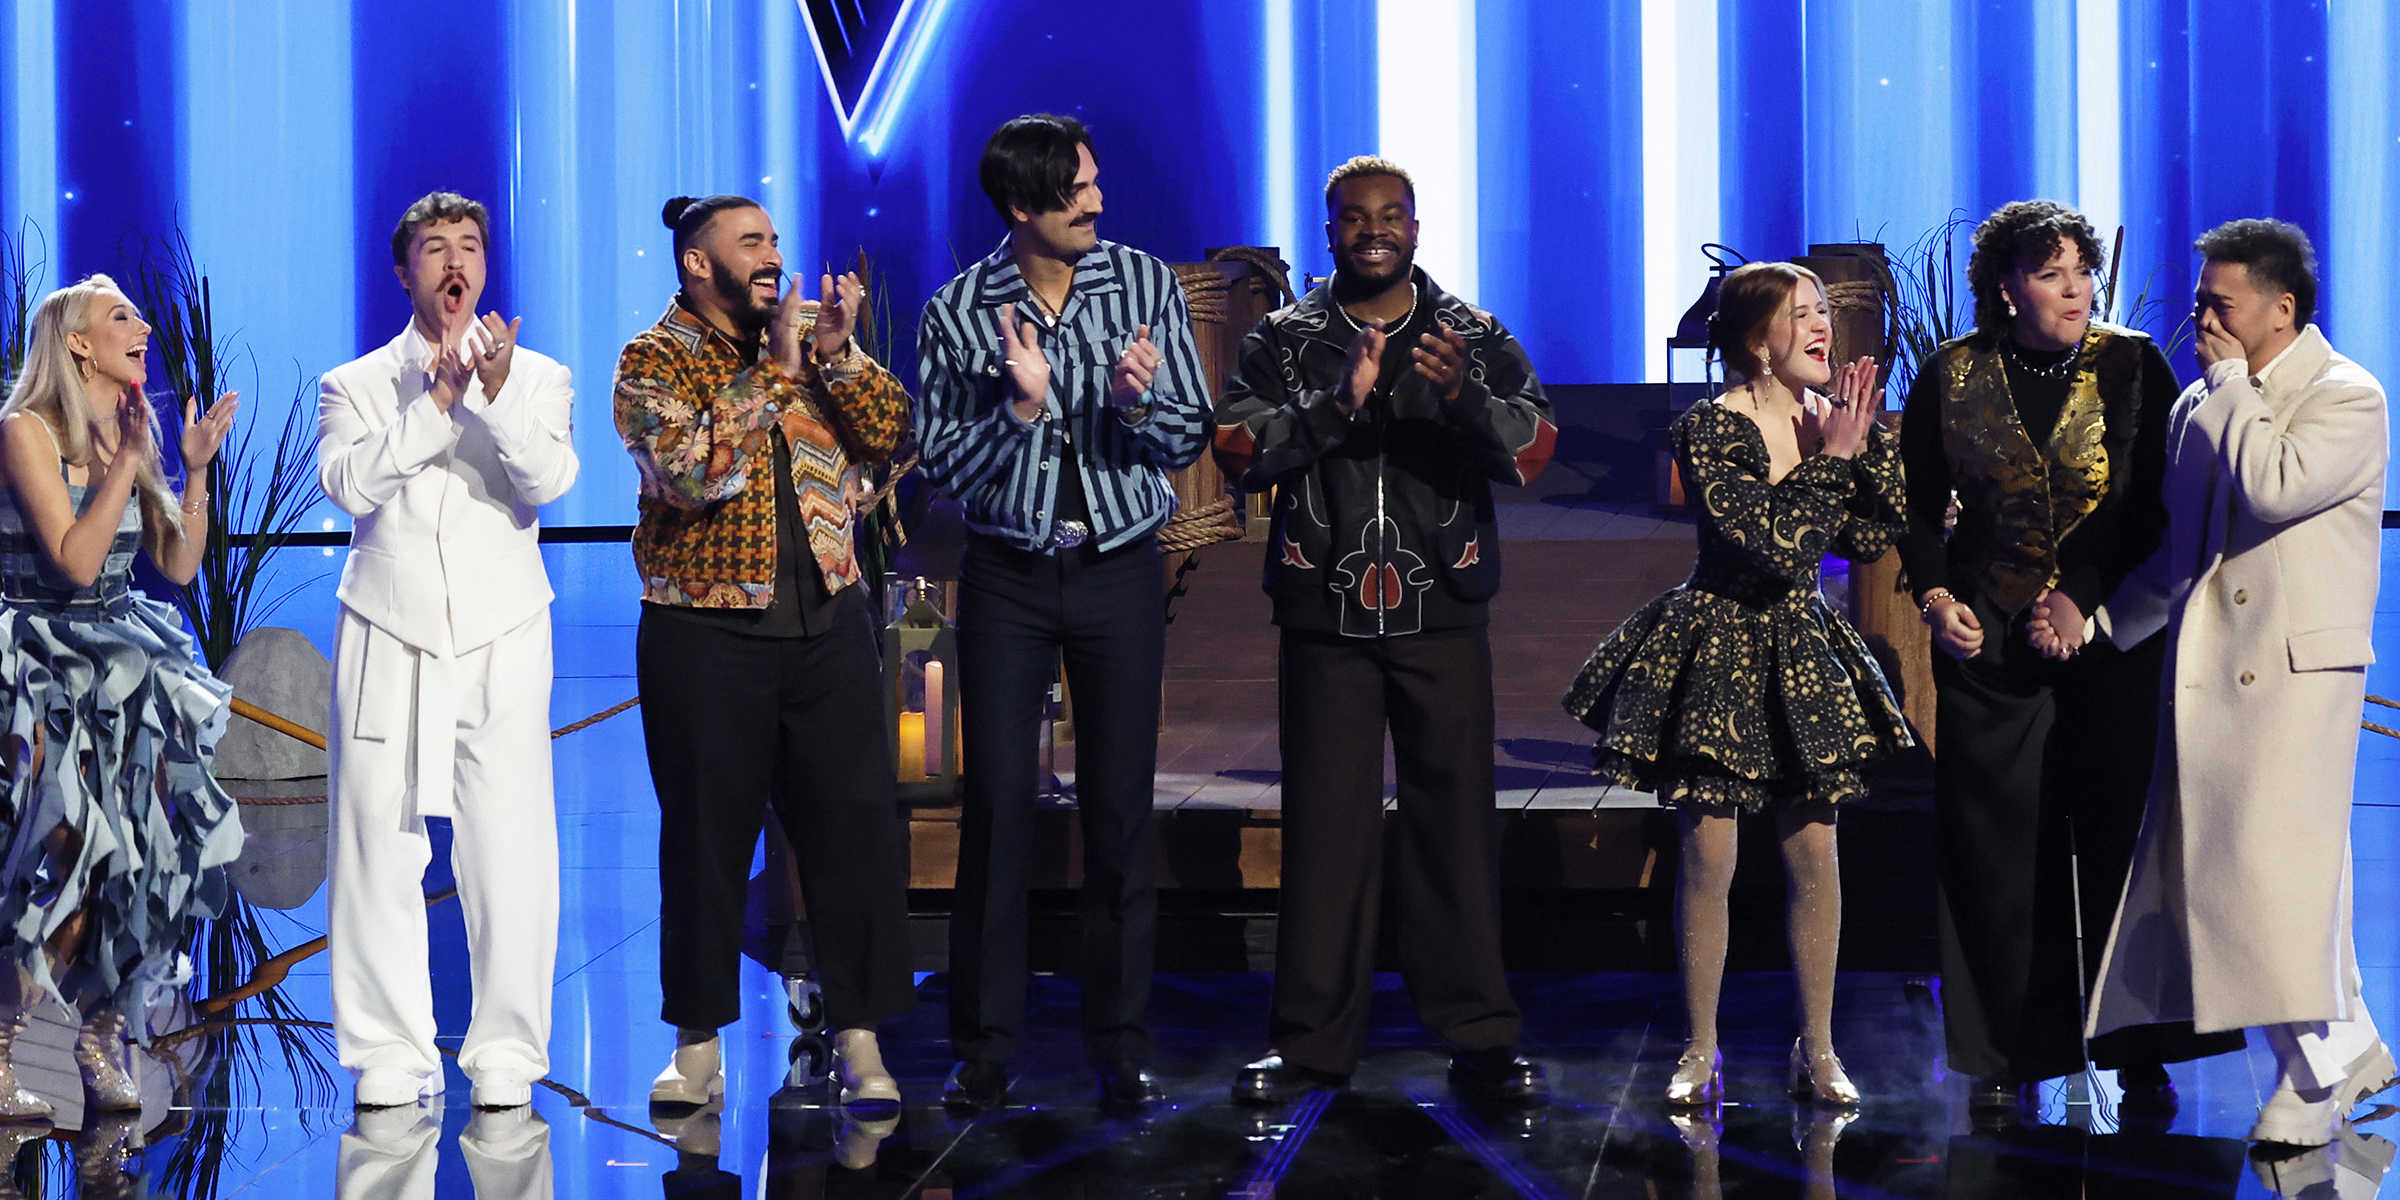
(1382, 409)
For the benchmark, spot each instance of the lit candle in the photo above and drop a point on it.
(912, 747)
(934, 743)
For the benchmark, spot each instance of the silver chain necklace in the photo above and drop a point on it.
(1413, 297)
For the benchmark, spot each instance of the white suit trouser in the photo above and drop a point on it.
(388, 1154)
(2318, 1054)
(478, 725)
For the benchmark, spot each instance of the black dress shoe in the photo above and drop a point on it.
(1271, 1080)
(1128, 1085)
(2149, 1103)
(1998, 1096)
(1499, 1074)
(976, 1086)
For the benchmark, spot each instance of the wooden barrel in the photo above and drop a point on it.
(1857, 282)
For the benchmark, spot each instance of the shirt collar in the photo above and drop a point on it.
(2263, 371)
(680, 318)
(416, 353)
(1002, 284)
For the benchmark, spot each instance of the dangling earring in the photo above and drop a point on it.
(2012, 307)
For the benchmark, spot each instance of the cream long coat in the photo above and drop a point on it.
(2237, 912)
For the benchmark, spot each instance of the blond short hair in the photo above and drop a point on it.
(1367, 164)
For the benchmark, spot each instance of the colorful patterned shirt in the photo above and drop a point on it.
(695, 410)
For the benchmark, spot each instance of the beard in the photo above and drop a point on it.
(733, 291)
(1362, 281)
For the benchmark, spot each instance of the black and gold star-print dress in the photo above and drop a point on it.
(1742, 687)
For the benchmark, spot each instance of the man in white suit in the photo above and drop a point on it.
(442, 444)
(2237, 912)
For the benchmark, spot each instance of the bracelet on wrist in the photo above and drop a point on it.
(1925, 605)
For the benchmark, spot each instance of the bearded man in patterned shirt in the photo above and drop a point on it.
(757, 660)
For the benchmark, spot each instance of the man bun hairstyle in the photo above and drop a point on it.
(2022, 233)
(435, 208)
(2278, 255)
(1030, 163)
(1746, 306)
(1367, 164)
(689, 217)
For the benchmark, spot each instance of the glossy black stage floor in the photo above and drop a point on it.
(1608, 1040)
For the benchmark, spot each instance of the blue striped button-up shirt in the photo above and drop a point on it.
(1003, 469)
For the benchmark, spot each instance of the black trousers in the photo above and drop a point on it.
(736, 726)
(2038, 760)
(1338, 695)
(1018, 613)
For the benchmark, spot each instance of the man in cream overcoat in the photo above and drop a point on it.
(2237, 912)
(441, 445)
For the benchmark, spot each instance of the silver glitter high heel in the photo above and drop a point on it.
(17, 1103)
(109, 1084)
(1699, 1079)
(1820, 1079)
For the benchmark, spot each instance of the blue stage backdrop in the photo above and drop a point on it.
(1571, 154)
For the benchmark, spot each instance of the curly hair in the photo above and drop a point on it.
(2277, 254)
(1746, 306)
(2022, 234)
(435, 208)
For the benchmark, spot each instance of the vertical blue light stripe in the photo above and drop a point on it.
(29, 130)
(1891, 144)
(1762, 80)
(2360, 303)
(1336, 115)
(1560, 107)
(1277, 138)
(265, 176)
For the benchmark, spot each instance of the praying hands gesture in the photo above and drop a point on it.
(1130, 379)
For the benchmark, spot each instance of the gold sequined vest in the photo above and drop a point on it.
(2018, 500)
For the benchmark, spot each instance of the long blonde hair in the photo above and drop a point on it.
(50, 386)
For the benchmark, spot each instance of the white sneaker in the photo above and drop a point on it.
(392, 1087)
(858, 1069)
(502, 1091)
(695, 1075)
(2314, 1117)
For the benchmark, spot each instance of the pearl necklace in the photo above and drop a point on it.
(2056, 370)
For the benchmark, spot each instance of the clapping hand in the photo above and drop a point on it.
(203, 435)
(1026, 368)
(837, 314)
(2056, 629)
(1135, 368)
(1360, 367)
(1840, 424)
(492, 345)
(453, 369)
(1441, 357)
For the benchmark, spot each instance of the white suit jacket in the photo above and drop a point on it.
(445, 553)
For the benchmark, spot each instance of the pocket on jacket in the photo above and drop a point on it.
(2331, 649)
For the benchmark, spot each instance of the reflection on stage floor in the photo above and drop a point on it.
(1608, 1030)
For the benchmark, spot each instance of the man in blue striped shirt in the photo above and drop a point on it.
(1059, 387)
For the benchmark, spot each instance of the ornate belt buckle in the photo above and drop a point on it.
(1069, 534)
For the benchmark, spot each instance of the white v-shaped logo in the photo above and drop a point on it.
(869, 52)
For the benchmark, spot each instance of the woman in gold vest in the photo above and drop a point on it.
(2049, 428)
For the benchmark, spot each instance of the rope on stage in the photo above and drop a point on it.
(2371, 726)
(274, 970)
